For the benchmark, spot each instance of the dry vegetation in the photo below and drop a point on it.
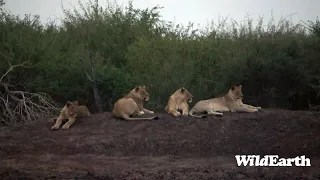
(43, 66)
(20, 106)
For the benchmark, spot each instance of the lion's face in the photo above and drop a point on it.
(142, 93)
(71, 107)
(186, 95)
(237, 92)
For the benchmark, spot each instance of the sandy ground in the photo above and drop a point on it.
(101, 147)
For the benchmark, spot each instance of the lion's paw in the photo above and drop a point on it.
(177, 114)
(65, 127)
(54, 128)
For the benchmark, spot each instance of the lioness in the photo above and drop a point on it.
(132, 104)
(70, 111)
(232, 101)
(178, 101)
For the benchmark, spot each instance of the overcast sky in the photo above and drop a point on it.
(183, 11)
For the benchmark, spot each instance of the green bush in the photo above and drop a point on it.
(278, 66)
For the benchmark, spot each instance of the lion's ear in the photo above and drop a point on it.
(240, 86)
(76, 103)
(182, 89)
(143, 86)
(68, 103)
(233, 87)
(137, 88)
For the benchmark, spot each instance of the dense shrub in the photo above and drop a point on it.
(278, 66)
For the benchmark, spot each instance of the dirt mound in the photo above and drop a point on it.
(101, 147)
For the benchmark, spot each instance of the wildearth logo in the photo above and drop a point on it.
(271, 160)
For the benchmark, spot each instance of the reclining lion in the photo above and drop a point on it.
(70, 111)
(178, 103)
(232, 101)
(132, 105)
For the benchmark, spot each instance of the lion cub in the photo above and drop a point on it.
(70, 111)
(178, 101)
(232, 101)
(132, 104)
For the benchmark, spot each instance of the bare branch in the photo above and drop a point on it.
(11, 67)
(312, 107)
(85, 72)
(93, 81)
(18, 106)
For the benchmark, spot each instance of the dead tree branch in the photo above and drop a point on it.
(18, 106)
(11, 68)
(93, 81)
(313, 107)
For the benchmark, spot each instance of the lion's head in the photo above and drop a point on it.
(141, 93)
(184, 94)
(72, 107)
(236, 92)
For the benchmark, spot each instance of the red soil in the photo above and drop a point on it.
(101, 147)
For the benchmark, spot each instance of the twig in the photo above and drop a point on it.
(21, 106)
(10, 69)
(93, 81)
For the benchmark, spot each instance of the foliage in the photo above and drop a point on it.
(278, 66)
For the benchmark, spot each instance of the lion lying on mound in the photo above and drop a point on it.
(178, 103)
(232, 101)
(70, 111)
(132, 104)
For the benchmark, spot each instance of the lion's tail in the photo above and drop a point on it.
(53, 119)
(193, 111)
(125, 117)
(166, 108)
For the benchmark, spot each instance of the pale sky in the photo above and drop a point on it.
(184, 11)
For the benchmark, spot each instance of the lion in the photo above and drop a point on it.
(178, 103)
(232, 102)
(70, 111)
(132, 105)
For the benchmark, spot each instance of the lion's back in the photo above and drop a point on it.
(83, 111)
